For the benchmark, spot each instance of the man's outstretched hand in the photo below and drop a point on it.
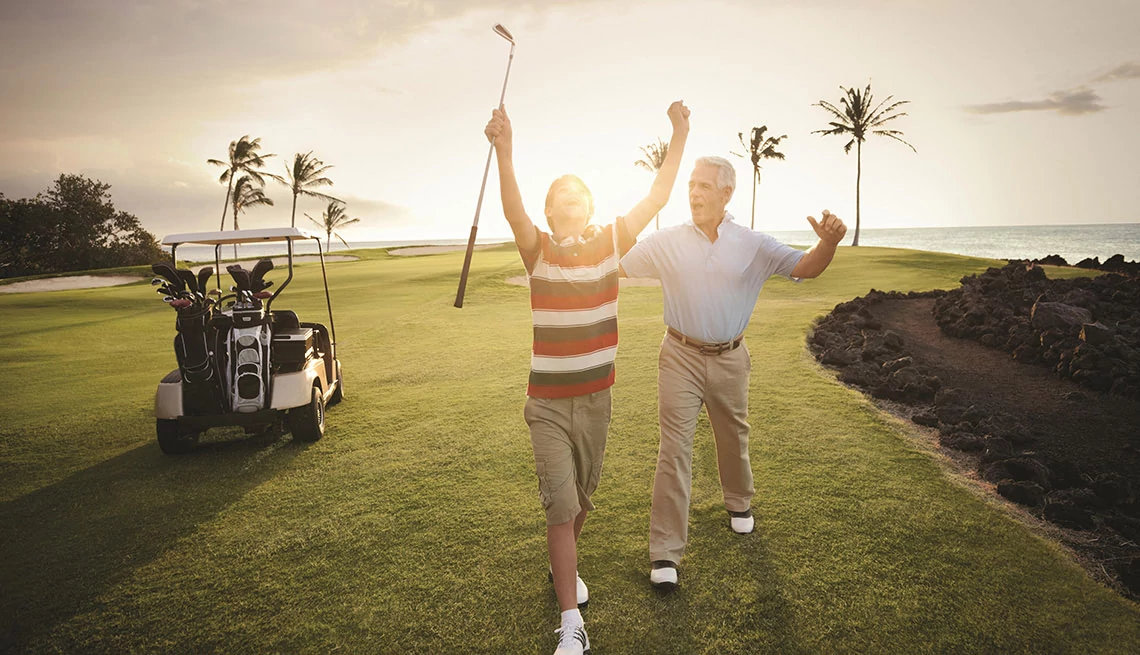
(829, 229)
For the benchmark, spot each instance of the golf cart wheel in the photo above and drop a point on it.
(338, 392)
(307, 423)
(174, 439)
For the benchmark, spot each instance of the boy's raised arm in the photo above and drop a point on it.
(651, 205)
(498, 131)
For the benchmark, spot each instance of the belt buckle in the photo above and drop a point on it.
(711, 349)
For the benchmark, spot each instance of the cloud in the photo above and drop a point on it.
(1074, 102)
(1128, 71)
(84, 67)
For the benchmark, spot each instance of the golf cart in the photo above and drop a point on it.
(240, 361)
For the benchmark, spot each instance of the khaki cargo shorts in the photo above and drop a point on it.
(568, 436)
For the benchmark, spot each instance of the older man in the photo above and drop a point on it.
(711, 273)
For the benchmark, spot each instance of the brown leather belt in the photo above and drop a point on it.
(704, 347)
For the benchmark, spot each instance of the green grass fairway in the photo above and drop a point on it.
(414, 526)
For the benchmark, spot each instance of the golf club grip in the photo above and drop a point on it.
(466, 267)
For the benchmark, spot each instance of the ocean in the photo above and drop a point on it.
(1073, 242)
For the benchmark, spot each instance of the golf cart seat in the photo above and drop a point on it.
(284, 319)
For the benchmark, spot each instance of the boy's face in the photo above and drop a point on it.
(569, 211)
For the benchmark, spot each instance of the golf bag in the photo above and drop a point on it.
(195, 342)
(249, 339)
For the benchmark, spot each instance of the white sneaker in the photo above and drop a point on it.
(583, 591)
(572, 641)
(742, 522)
(663, 575)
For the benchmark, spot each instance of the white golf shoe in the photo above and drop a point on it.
(742, 522)
(572, 641)
(663, 575)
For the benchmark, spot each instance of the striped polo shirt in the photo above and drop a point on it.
(573, 302)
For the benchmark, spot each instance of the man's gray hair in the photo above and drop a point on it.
(726, 174)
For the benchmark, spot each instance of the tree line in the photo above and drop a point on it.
(857, 117)
(71, 226)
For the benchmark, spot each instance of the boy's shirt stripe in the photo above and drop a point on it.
(573, 363)
(555, 334)
(573, 317)
(570, 348)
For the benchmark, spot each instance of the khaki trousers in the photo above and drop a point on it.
(686, 379)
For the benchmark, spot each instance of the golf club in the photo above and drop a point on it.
(501, 31)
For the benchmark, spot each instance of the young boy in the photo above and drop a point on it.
(573, 273)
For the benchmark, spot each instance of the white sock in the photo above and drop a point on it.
(572, 618)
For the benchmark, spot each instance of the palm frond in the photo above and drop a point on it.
(655, 154)
(879, 121)
(894, 135)
(831, 108)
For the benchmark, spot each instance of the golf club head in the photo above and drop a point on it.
(156, 281)
(503, 32)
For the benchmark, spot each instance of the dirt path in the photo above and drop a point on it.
(1098, 432)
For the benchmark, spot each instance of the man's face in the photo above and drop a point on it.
(569, 211)
(706, 201)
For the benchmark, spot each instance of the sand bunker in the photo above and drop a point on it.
(68, 283)
(435, 250)
(624, 282)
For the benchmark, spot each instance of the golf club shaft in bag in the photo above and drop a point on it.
(501, 31)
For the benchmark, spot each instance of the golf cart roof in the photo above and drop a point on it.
(238, 236)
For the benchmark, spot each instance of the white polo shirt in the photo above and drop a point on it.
(710, 288)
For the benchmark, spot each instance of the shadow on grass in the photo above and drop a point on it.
(63, 546)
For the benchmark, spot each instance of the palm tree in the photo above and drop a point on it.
(302, 177)
(332, 220)
(759, 147)
(247, 194)
(243, 158)
(654, 159)
(857, 119)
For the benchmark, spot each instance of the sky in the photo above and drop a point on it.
(1022, 113)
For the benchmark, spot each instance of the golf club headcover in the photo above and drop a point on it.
(262, 267)
(168, 272)
(191, 282)
(204, 278)
(240, 276)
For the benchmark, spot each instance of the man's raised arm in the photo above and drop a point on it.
(651, 205)
(498, 131)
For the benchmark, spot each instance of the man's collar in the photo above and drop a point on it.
(728, 218)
